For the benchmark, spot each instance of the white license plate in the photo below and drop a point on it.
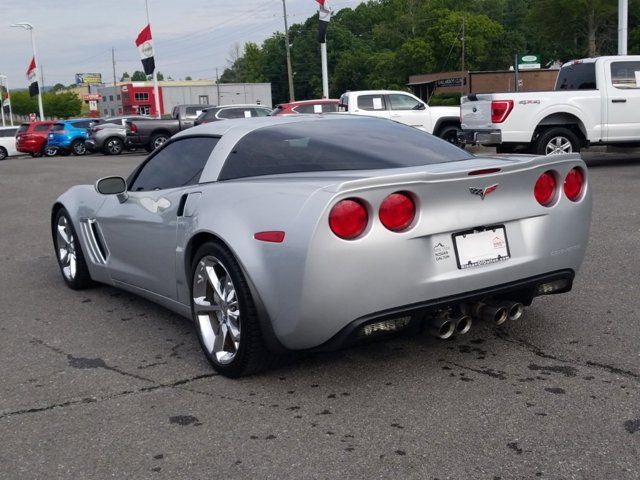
(484, 247)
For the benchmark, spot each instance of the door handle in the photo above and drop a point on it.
(619, 100)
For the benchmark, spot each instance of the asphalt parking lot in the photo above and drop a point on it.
(103, 384)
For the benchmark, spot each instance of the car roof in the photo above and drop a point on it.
(377, 92)
(313, 102)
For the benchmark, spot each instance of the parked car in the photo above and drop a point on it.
(226, 112)
(8, 142)
(443, 122)
(68, 136)
(596, 102)
(150, 134)
(109, 136)
(323, 105)
(31, 137)
(311, 232)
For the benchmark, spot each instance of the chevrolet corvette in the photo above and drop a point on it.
(311, 233)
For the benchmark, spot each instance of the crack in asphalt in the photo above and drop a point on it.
(88, 400)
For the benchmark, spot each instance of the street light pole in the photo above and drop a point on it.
(28, 26)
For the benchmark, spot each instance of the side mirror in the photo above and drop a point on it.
(420, 106)
(111, 186)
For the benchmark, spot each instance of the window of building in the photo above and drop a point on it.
(118, 97)
(203, 99)
(111, 98)
(106, 111)
(141, 96)
(113, 111)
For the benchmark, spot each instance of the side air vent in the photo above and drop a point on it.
(95, 245)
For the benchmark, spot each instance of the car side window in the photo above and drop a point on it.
(260, 112)
(41, 128)
(233, 113)
(8, 132)
(83, 124)
(403, 102)
(179, 164)
(625, 75)
(304, 109)
(371, 102)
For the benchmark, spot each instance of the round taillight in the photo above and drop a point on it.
(545, 188)
(397, 211)
(573, 184)
(348, 219)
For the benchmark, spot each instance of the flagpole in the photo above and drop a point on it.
(155, 69)
(6, 85)
(40, 86)
(325, 70)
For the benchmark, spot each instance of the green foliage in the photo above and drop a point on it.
(188, 78)
(138, 76)
(56, 105)
(57, 87)
(125, 77)
(159, 75)
(445, 100)
(380, 43)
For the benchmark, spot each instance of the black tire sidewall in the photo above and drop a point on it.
(447, 131)
(3, 153)
(108, 151)
(247, 309)
(545, 136)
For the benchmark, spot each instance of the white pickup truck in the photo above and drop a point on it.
(596, 102)
(403, 107)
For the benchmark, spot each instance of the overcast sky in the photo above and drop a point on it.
(192, 37)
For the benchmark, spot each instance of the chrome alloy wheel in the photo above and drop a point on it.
(66, 247)
(114, 146)
(159, 141)
(216, 308)
(558, 145)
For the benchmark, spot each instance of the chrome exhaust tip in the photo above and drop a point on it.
(490, 312)
(514, 310)
(441, 327)
(463, 324)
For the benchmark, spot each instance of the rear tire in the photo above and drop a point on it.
(113, 146)
(225, 314)
(78, 148)
(3, 153)
(157, 141)
(49, 151)
(557, 140)
(71, 261)
(450, 134)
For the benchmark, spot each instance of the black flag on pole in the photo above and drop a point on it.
(324, 15)
(144, 42)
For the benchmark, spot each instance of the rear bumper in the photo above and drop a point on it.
(523, 291)
(483, 137)
(91, 145)
(29, 146)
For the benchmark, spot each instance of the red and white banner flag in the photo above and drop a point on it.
(32, 76)
(144, 42)
(324, 15)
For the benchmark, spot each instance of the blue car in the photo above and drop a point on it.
(68, 136)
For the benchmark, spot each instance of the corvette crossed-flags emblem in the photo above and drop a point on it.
(483, 192)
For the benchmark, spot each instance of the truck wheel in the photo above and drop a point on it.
(557, 140)
(158, 140)
(3, 153)
(450, 134)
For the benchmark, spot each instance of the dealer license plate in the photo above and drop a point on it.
(476, 248)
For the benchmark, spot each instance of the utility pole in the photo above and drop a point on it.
(462, 63)
(286, 39)
(115, 86)
(218, 86)
(623, 16)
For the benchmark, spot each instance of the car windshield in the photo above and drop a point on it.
(336, 144)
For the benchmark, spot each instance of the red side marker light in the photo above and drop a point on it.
(274, 236)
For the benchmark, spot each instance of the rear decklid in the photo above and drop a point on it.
(475, 111)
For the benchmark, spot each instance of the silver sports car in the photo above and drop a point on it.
(310, 233)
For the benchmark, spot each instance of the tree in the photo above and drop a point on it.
(138, 76)
(125, 77)
(188, 78)
(57, 87)
(159, 75)
(56, 105)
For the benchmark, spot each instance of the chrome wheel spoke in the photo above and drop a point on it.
(214, 281)
(72, 265)
(204, 306)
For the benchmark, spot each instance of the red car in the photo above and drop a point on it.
(324, 105)
(32, 137)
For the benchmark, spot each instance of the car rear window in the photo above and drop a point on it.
(336, 144)
(23, 128)
(577, 76)
(44, 127)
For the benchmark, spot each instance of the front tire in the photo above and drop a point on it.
(69, 252)
(3, 153)
(78, 148)
(225, 315)
(556, 141)
(113, 146)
